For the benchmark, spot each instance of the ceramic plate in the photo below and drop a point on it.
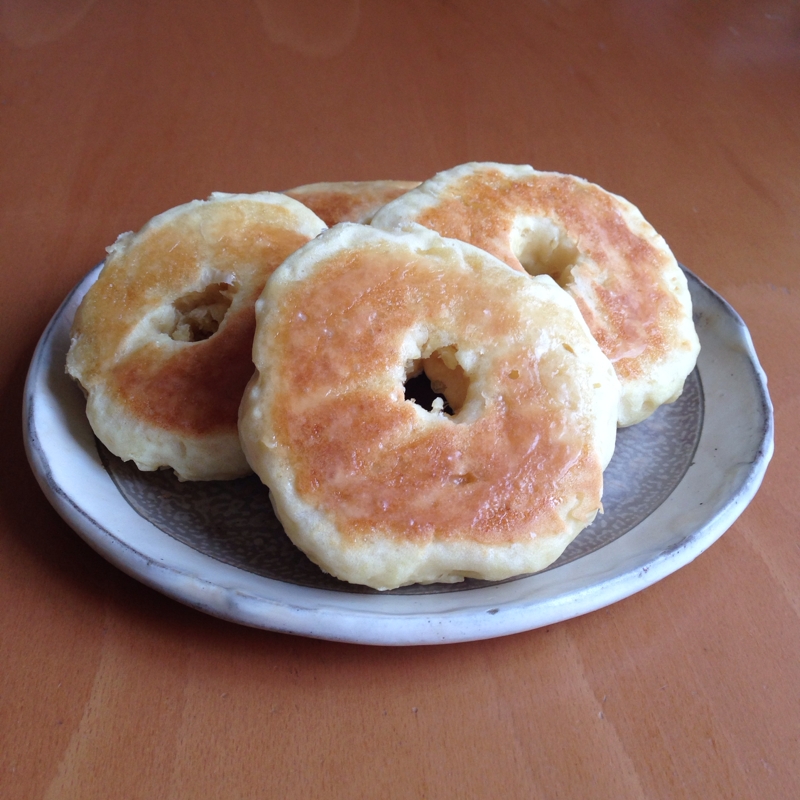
(676, 483)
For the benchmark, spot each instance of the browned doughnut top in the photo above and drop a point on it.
(325, 423)
(162, 341)
(596, 245)
(349, 201)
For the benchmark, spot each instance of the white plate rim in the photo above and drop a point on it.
(697, 513)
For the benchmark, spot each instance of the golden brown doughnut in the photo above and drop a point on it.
(349, 201)
(161, 344)
(373, 487)
(596, 245)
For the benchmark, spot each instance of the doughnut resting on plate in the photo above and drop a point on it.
(596, 245)
(161, 343)
(372, 486)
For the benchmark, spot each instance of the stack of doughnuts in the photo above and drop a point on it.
(279, 333)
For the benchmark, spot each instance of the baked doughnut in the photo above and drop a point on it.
(596, 245)
(161, 343)
(349, 201)
(379, 491)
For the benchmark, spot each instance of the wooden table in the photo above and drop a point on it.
(111, 112)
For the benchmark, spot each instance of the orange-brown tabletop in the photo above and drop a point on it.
(113, 112)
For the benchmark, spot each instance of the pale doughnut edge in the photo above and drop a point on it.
(214, 457)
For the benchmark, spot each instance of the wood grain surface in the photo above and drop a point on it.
(113, 111)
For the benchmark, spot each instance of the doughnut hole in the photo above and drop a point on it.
(437, 382)
(198, 315)
(543, 248)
